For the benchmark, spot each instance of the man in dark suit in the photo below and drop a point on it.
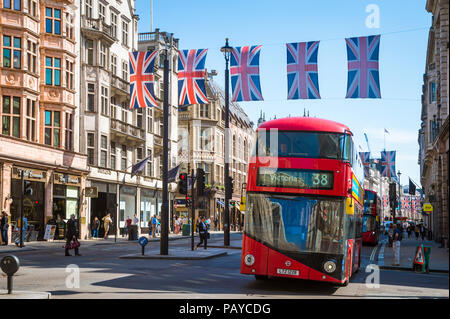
(203, 232)
(72, 232)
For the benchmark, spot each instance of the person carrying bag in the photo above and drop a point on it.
(71, 237)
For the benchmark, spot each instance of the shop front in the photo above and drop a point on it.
(105, 203)
(66, 201)
(127, 205)
(150, 205)
(33, 205)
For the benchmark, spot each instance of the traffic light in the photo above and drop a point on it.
(392, 192)
(230, 186)
(188, 201)
(27, 189)
(182, 184)
(200, 182)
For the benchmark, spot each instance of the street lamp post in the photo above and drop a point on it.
(226, 231)
(399, 189)
(164, 243)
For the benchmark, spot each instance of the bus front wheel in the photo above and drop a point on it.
(261, 277)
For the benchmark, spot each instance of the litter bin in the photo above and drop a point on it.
(133, 232)
(186, 229)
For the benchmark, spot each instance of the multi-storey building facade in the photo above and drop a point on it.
(202, 135)
(39, 113)
(433, 134)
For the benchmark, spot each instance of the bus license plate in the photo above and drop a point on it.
(288, 272)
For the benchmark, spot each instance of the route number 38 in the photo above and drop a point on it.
(320, 179)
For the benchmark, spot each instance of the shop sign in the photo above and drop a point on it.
(66, 179)
(29, 174)
(91, 192)
(427, 208)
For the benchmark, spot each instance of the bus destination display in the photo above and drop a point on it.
(294, 178)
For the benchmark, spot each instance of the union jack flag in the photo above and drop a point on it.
(302, 75)
(363, 76)
(388, 164)
(142, 92)
(244, 70)
(365, 159)
(191, 77)
(404, 200)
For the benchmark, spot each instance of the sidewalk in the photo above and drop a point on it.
(438, 256)
(56, 244)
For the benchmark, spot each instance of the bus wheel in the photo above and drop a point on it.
(261, 277)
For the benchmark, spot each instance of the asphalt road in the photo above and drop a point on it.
(103, 275)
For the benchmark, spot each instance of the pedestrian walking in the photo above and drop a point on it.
(72, 236)
(158, 226)
(106, 224)
(95, 227)
(396, 239)
(24, 231)
(128, 228)
(203, 233)
(154, 223)
(177, 224)
(216, 220)
(4, 228)
(390, 234)
(416, 231)
(422, 231)
(409, 230)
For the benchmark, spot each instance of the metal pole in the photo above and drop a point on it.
(226, 233)
(192, 209)
(164, 248)
(21, 209)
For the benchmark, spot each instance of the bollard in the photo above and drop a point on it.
(10, 265)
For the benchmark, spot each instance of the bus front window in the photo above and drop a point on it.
(297, 223)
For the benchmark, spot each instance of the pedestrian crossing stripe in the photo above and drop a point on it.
(419, 256)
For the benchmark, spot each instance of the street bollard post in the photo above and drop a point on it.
(10, 265)
(143, 241)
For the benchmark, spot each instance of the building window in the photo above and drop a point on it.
(114, 64)
(53, 128)
(149, 120)
(11, 116)
(90, 51)
(124, 70)
(101, 11)
(139, 154)
(124, 112)
(104, 100)
(52, 71)
(113, 155)
(30, 118)
(12, 49)
(53, 20)
(69, 75)
(123, 160)
(32, 8)
(69, 132)
(91, 97)
(90, 148)
(103, 55)
(103, 150)
(88, 8)
(432, 91)
(69, 26)
(112, 103)
(32, 56)
(125, 33)
(16, 4)
(149, 163)
(114, 24)
(139, 117)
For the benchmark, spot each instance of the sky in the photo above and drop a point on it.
(402, 24)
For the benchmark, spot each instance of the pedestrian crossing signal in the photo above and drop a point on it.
(419, 256)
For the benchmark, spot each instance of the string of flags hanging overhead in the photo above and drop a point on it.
(302, 73)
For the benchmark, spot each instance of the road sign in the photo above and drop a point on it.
(419, 256)
(143, 241)
(427, 207)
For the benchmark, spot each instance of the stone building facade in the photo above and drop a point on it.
(39, 113)
(433, 134)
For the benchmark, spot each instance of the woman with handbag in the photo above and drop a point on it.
(203, 232)
(71, 236)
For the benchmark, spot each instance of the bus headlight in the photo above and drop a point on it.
(329, 266)
(249, 259)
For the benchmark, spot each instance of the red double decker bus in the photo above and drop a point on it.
(371, 218)
(304, 202)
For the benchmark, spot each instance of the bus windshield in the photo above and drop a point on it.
(297, 223)
(275, 143)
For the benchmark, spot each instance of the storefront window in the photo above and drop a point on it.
(148, 207)
(65, 201)
(127, 204)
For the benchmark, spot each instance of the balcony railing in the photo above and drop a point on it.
(119, 83)
(97, 25)
(127, 130)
